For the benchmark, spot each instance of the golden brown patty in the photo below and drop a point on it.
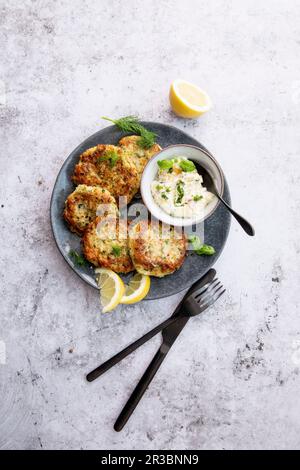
(156, 250)
(105, 244)
(108, 166)
(138, 155)
(82, 206)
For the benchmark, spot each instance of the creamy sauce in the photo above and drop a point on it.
(180, 193)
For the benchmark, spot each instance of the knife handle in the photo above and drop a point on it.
(94, 374)
(141, 388)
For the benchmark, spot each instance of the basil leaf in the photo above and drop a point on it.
(187, 165)
(199, 247)
(195, 241)
(206, 250)
(165, 164)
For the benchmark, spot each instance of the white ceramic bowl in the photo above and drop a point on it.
(196, 154)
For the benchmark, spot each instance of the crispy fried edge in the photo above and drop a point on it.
(70, 204)
(90, 155)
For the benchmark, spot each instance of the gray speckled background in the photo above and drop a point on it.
(232, 379)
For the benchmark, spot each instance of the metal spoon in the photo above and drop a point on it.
(208, 182)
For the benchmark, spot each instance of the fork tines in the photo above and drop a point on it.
(209, 293)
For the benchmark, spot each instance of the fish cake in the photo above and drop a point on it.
(137, 154)
(156, 249)
(85, 203)
(105, 244)
(109, 167)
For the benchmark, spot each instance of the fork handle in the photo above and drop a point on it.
(128, 350)
(141, 388)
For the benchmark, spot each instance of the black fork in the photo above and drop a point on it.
(200, 296)
(192, 305)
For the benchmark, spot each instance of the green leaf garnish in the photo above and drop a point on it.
(126, 124)
(206, 250)
(197, 197)
(195, 241)
(187, 165)
(131, 125)
(116, 250)
(77, 258)
(111, 156)
(165, 164)
(164, 196)
(199, 247)
(180, 192)
(147, 138)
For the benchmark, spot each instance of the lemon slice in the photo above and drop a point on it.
(188, 100)
(137, 289)
(111, 288)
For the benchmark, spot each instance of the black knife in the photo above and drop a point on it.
(169, 335)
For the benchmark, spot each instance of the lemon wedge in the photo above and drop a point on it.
(188, 100)
(137, 289)
(111, 288)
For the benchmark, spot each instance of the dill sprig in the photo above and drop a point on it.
(147, 138)
(126, 124)
(131, 125)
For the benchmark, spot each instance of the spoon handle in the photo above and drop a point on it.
(243, 222)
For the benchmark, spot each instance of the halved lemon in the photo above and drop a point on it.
(137, 289)
(111, 288)
(188, 100)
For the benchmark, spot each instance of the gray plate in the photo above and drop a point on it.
(216, 227)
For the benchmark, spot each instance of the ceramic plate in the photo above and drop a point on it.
(216, 227)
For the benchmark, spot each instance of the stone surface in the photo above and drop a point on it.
(232, 379)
